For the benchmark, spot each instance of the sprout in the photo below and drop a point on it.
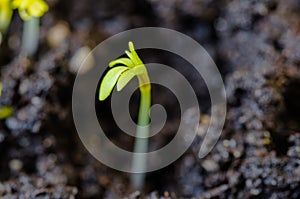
(30, 11)
(121, 72)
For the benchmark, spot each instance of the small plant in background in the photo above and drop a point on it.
(121, 72)
(30, 11)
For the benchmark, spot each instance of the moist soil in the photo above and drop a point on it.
(256, 46)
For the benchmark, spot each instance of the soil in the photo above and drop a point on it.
(255, 44)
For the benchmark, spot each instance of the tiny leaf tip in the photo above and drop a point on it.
(111, 64)
(131, 46)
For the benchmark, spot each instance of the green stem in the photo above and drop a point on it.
(30, 39)
(139, 161)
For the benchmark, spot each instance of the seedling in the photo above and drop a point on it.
(30, 11)
(121, 72)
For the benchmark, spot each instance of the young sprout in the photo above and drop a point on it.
(30, 11)
(6, 12)
(5, 111)
(121, 72)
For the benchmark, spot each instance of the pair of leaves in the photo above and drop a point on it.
(121, 75)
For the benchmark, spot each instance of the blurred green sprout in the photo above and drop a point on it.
(30, 11)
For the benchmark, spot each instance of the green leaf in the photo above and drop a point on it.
(126, 76)
(136, 59)
(122, 61)
(109, 81)
(5, 112)
(131, 46)
(124, 79)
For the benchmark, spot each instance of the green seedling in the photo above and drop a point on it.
(5, 111)
(30, 11)
(121, 72)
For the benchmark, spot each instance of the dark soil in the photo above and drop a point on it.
(256, 45)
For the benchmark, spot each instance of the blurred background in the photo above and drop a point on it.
(256, 46)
